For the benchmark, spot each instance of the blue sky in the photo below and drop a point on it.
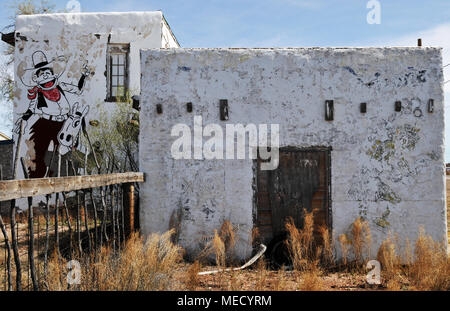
(282, 23)
(263, 23)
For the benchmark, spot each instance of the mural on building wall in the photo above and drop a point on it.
(51, 121)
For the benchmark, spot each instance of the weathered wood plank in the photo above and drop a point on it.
(16, 189)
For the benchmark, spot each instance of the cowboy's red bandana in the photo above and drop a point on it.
(53, 94)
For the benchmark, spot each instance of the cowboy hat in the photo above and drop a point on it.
(40, 61)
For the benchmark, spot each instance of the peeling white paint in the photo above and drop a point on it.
(387, 166)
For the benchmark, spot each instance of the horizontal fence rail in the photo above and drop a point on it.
(17, 189)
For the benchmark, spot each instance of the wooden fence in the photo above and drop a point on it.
(88, 212)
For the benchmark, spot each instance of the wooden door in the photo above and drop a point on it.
(301, 182)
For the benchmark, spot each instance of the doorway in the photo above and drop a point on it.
(301, 183)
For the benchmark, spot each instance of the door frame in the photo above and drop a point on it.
(328, 151)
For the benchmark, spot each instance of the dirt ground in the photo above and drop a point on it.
(269, 280)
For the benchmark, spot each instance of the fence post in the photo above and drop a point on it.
(129, 208)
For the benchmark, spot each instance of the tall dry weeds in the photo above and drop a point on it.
(344, 244)
(307, 234)
(294, 244)
(227, 235)
(426, 268)
(361, 239)
(431, 267)
(327, 248)
(141, 266)
(356, 245)
(255, 236)
(219, 250)
(300, 242)
(56, 271)
(389, 259)
(221, 245)
(193, 280)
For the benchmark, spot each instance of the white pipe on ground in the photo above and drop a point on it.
(261, 252)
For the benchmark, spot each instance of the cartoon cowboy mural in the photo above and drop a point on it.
(56, 122)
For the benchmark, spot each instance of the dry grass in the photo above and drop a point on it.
(154, 264)
(221, 246)
(389, 259)
(360, 241)
(327, 250)
(261, 281)
(234, 283)
(219, 250)
(311, 279)
(255, 236)
(300, 242)
(344, 244)
(141, 266)
(431, 267)
(192, 275)
(426, 268)
(294, 244)
(304, 256)
(307, 236)
(356, 245)
(227, 235)
(280, 283)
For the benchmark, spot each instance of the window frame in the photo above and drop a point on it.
(117, 49)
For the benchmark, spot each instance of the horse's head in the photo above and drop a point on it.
(70, 131)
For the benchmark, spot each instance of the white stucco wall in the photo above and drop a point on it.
(82, 39)
(168, 38)
(387, 166)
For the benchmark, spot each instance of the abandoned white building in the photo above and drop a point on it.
(361, 131)
(361, 134)
(75, 68)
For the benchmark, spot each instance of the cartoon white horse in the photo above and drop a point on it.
(68, 136)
